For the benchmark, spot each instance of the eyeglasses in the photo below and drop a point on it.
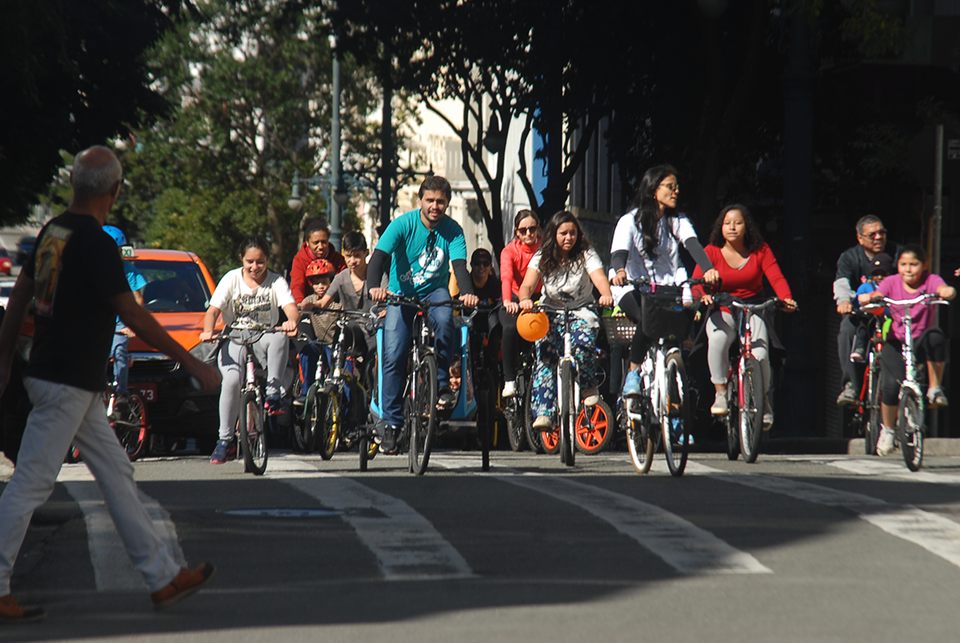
(531, 230)
(875, 235)
(672, 187)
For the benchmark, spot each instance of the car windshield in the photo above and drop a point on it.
(173, 286)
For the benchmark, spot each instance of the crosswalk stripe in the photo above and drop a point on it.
(111, 566)
(876, 467)
(937, 534)
(407, 545)
(681, 544)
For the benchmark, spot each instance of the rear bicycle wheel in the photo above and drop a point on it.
(638, 438)
(514, 411)
(751, 411)
(910, 428)
(334, 413)
(253, 437)
(568, 415)
(677, 421)
(872, 410)
(424, 420)
(594, 429)
(732, 421)
(131, 428)
(534, 436)
(311, 426)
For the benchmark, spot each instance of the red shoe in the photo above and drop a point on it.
(11, 612)
(185, 583)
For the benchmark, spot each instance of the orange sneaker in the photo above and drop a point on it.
(11, 612)
(185, 583)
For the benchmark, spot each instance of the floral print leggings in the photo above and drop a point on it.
(549, 350)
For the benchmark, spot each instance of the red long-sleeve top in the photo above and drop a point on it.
(747, 281)
(299, 285)
(514, 260)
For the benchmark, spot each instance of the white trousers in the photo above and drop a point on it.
(63, 414)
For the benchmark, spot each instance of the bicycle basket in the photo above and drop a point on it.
(663, 314)
(619, 330)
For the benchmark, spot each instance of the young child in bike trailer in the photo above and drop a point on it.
(569, 268)
(250, 296)
(929, 342)
(646, 243)
(323, 328)
(882, 267)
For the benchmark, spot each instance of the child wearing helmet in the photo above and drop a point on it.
(319, 274)
(120, 353)
(569, 268)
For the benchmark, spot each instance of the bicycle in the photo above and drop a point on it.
(866, 415)
(667, 401)
(129, 419)
(912, 403)
(746, 397)
(335, 389)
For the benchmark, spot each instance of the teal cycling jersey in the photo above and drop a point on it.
(421, 257)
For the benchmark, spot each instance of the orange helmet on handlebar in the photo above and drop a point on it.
(532, 325)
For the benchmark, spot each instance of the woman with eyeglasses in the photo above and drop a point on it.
(646, 243)
(514, 260)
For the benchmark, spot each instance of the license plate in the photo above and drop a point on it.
(147, 390)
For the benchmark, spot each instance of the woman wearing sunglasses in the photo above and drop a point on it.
(514, 260)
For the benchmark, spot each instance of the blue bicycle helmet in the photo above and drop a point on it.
(116, 233)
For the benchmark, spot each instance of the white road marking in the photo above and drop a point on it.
(407, 545)
(937, 534)
(891, 469)
(681, 544)
(111, 566)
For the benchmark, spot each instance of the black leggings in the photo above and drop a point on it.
(630, 304)
(512, 345)
(930, 347)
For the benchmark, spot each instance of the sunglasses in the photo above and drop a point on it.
(875, 235)
(672, 187)
(483, 264)
(530, 230)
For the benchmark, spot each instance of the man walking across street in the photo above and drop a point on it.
(854, 266)
(76, 279)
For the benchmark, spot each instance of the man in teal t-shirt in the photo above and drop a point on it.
(420, 246)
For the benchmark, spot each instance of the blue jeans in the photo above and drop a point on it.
(121, 361)
(397, 327)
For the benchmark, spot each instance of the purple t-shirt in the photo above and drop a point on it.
(922, 314)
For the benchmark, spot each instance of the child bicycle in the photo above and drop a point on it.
(127, 417)
(746, 397)
(912, 406)
(663, 413)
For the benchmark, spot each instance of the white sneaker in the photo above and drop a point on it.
(885, 442)
(509, 389)
(720, 404)
(543, 423)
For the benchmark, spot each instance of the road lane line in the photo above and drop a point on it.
(937, 534)
(111, 566)
(407, 545)
(877, 467)
(681, 544)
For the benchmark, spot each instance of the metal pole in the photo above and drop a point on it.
(937, 203)
(336, 232)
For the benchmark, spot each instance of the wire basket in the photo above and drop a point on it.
(619, 330)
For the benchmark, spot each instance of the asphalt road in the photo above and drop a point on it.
(792, 548)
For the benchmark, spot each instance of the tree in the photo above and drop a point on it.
(74, 74)
(251, 85)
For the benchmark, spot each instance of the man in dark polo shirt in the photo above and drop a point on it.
(75, 277)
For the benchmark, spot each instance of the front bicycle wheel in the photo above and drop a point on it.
(593, 429)
(732, 420)
(311, 426)
(751, 411)
(910, 428)
(677, 419)
(424, 420)
(131, 427)
(333, 416)
(514, 411)
(253, 438)
(638, 438)
(534, 436)
(567, 415)
(872, 434)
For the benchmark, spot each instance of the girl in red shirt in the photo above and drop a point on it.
(743, 259)
(514, 259)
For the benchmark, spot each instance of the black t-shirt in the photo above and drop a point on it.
(76, 268)
(490, 293)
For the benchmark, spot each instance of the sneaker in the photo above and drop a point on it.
(447, 399)
(388, 441)
(592, 399)
(12, 612)
(185, 583)
(226, 450)
(509, 389)
(273, 405)
(856, 355)
(848, 396)
(631, 384)
(677, 434)
(936, 398)
(301, 400)
(767, 415)
(543, 423)
(719, 406)
(885, 441)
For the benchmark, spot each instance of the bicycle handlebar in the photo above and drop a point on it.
(927, 299)
(645, 282)
(726, 299)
